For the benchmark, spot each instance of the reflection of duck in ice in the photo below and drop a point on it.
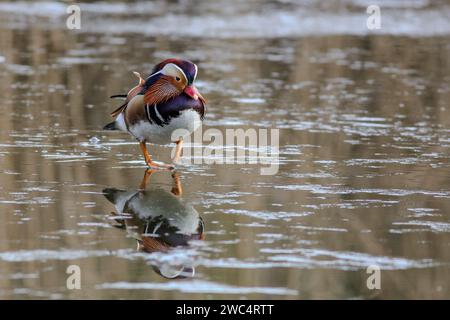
(158, 220)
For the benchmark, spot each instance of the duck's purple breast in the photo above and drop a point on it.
(172, 108)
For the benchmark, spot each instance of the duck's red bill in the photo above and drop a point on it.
(192, 92)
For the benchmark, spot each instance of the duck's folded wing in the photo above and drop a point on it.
(129, 96)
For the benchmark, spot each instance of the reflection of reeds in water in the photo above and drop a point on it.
(75, 98)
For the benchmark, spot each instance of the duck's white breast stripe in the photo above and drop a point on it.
(147, 113)
(158, 114)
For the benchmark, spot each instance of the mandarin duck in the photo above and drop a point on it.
(158, 220)
(160, 106)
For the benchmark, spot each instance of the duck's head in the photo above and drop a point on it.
(171, 78)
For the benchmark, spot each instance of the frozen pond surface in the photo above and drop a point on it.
(363, 166)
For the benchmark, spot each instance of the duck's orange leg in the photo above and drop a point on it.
(149, 161)
(178, 150)
(147, 174)
(176, 189)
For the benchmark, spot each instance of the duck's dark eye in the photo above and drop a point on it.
(177, 78)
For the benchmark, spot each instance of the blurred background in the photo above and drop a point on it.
(364, 148)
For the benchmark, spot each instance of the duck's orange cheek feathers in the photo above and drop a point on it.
(161, 91)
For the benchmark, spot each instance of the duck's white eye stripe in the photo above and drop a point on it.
(196, 71)
(173, 70)
(152, 75)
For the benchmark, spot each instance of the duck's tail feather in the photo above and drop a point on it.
(120, 109)
(112, 194)
(111, 126)
(118, 96)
